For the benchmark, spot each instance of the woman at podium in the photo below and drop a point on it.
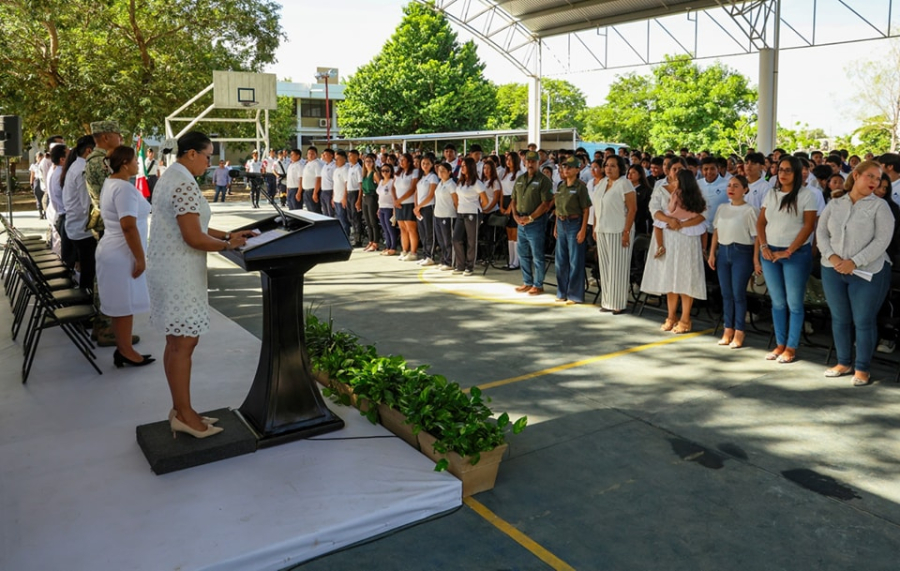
(180, 237)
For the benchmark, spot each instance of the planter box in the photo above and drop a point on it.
(478, 478)
(396, 423)
(362, 404)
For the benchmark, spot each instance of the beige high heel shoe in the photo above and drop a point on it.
(205, 419)
(178, 426)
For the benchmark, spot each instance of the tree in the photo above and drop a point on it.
(878, 91)
(677, 105)
(67, 64)
(567, 103)
(422, 81)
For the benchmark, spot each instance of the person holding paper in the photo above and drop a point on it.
(853, 236)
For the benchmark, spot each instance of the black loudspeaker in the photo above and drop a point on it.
(10, 136)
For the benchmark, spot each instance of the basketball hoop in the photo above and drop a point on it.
(249, 103)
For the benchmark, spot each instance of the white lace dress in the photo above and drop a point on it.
(176, 273)
(681, 269)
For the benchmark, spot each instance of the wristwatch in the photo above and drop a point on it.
(530, 219)
(227, 236)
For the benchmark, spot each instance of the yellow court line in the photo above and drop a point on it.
(588, 361)
(531, 545)
(492, 299)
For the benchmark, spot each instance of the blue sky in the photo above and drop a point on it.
(813, 87)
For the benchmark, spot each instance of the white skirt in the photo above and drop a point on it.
(679, 270)
(120, 294)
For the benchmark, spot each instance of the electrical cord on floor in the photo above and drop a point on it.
(352, 438)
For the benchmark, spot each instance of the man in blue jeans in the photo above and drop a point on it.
(570, 229)
(221, 179)
(531, 199)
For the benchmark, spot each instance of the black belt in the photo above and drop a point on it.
(572, 217)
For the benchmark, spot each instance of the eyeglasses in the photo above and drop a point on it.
(785, 171)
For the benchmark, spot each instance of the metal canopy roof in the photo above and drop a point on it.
(545, 18)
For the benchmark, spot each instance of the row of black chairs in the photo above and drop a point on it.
(35, 279)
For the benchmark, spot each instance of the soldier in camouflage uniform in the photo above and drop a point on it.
(106, 138)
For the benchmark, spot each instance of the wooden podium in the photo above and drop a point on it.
(284, 402)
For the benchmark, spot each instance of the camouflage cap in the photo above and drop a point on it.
(532, 156)
(98, 127)
(572, 162)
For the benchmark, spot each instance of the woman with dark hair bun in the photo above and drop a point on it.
(784, 229)
(179, 241)
(121, 281)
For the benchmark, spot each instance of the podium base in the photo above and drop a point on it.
(166, 454)
(329, 422)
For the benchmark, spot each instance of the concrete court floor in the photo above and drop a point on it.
(644, 450)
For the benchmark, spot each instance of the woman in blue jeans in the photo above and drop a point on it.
(731, 254)
(853, 236)
(784, 230)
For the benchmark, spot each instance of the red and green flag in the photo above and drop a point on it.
(141, 181)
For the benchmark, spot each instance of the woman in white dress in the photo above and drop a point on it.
(615, 207)
(120, 259)
(179, 240)
(678, 273)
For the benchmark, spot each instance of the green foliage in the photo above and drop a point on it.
(567, 103)
(422, 81)
(67, 64)
(461, 422)
(678, 104)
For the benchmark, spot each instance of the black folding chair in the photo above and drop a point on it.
(48, 312)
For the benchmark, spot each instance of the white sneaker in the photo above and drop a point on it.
(427, 262)
(411, 257)
(886, 346)
(468, 273)
(445, 268)
(402, 257)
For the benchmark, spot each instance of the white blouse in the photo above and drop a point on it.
(736, 224)
(783, 226)
(609, 205)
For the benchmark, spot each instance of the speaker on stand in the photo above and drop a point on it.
(10, 146)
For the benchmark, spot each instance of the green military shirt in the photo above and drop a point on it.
(95, 174)
(529, 193)
(571, 200)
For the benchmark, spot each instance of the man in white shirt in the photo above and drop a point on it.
(836, 164)
(326, 191)
(292, 180)
(890, 162)
(453, 160)
(268, 169)
(713, 188)
(35, 181)
(311, 181)
(253, 165)
(340, 198)
(754, 164)
(478, 155)
(586, 176)
(354, 196)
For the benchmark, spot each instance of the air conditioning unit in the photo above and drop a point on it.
(323, 122)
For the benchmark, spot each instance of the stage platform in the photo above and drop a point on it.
(77, 493)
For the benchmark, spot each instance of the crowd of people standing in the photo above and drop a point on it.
(702, 220)
(780, 217)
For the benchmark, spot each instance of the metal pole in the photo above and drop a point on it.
(327, 116)
(9, 200)
(547, 125)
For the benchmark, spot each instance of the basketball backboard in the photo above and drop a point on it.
(244, 90)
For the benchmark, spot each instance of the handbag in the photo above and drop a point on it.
(757, 285)
(498, 220)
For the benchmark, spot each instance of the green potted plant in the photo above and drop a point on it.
(453, 427)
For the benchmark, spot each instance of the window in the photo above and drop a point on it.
(312, 108)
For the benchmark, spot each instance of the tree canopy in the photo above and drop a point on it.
(67, 64)
(422, 81)
(678, 104)
(567, 103)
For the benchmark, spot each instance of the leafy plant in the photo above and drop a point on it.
(461, 422)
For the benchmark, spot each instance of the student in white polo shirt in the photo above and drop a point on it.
(311, 182)
(470, 197)
(890, 162)
(327, 189)
(292, 181)
(714, 189)
(354, 196)
(754, 166)
(340, 197)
